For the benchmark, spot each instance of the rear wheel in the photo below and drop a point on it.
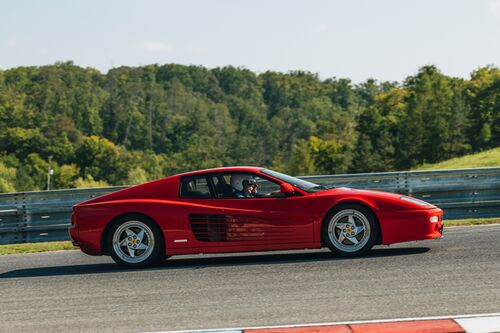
(350, 230)
(135, 242)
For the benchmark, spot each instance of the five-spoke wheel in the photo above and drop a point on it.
(350, 230)
(135, 241)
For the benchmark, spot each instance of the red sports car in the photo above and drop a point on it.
(238, 209)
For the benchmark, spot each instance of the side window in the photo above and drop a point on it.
(266, 187)
(223, 188)
(244, 185)
(195, 187)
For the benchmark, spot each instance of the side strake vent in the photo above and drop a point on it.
(209, 227)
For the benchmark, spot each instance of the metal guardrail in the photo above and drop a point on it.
(466, 193)
(42, 216)
(462, 193)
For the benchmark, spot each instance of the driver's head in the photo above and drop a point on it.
(248, 183)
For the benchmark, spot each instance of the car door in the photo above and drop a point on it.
(265, 218)
(203, 222)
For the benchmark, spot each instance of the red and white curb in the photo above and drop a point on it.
(480, 323)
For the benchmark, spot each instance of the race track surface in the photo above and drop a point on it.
(67, 290)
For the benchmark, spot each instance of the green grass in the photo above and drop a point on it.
(486, 159)
(57, 246)
(35, 247)
(464, 222)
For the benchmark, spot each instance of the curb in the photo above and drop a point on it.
(481, 323)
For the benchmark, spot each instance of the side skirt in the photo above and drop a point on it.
(245, 248)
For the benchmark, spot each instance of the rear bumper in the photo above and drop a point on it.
(410, 225)
(73, 231)
(79, 239)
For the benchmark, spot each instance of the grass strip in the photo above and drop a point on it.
(56, 246)
(465, 222)
(35, 247)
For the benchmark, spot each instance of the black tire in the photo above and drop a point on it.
(123, 230)
(340, 234)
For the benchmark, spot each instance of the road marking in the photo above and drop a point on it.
(480, 325)
(473, 323)
(416, 326)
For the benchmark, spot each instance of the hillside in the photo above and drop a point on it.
(134, 124)
(486, 159)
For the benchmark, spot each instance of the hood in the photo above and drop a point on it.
(379, 200)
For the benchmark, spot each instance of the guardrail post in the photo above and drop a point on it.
(474, 207)
(402, 183)
(24, 225)
(18, 201)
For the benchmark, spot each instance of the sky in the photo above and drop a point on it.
(356, 39)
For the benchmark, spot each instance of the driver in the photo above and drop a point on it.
(249, 189)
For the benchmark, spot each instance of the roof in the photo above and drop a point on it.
(223, 169)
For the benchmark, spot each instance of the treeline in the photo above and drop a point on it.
(135, 124)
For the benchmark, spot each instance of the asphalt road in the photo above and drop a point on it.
(67, 290)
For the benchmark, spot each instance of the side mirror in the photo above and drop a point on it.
(286, 189)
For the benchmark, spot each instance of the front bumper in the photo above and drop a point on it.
(410, 225)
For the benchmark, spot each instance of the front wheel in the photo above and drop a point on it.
(135, 242)
(350, 230)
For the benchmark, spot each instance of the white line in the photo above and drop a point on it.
(480, 325)
(224, 330)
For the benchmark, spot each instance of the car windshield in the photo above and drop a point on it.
(300, 183)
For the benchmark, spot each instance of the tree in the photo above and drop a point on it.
(100, 159)
(133, 124)
(483, 96)
(378, 128)
(89, 182)
(7, 178)
(301, 161)
(424, 132)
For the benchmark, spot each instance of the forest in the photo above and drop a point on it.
(134, 124)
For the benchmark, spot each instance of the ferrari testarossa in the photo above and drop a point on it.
(237, 209)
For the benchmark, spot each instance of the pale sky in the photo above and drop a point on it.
(357, 39)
